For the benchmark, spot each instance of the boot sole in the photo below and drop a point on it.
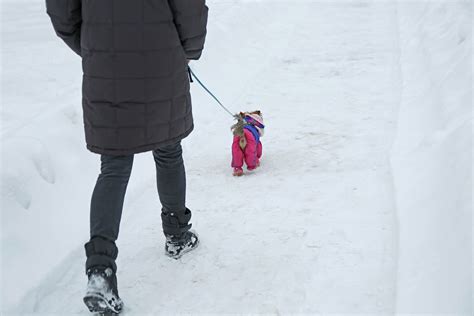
(96, 303)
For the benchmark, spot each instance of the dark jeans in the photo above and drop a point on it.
(108, 198)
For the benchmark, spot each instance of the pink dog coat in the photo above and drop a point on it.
(253, 150)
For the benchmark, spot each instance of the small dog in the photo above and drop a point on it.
(247, 145)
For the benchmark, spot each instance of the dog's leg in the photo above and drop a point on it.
(237, 154)
(259, 150)
(250, 151)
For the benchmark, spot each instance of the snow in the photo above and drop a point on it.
(431, 159)
(362, 204)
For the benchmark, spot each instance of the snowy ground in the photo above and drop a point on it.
(322, 227)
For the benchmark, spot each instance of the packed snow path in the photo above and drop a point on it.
(313, 230)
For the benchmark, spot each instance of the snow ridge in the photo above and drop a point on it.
(431, 160)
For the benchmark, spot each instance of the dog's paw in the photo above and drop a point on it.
(237, 172)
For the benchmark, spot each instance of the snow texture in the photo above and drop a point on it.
(362, 203)
(432, 159)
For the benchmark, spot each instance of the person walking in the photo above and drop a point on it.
(135, 98)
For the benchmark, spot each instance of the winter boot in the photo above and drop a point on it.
(102, 294)
(176, 246)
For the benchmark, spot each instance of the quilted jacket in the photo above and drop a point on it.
(135, 93)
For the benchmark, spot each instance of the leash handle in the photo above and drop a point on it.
(192, 74)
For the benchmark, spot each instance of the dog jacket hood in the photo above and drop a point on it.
(256, 121)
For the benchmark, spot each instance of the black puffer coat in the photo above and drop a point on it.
(134, 56)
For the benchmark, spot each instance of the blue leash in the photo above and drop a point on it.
(192, 74)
